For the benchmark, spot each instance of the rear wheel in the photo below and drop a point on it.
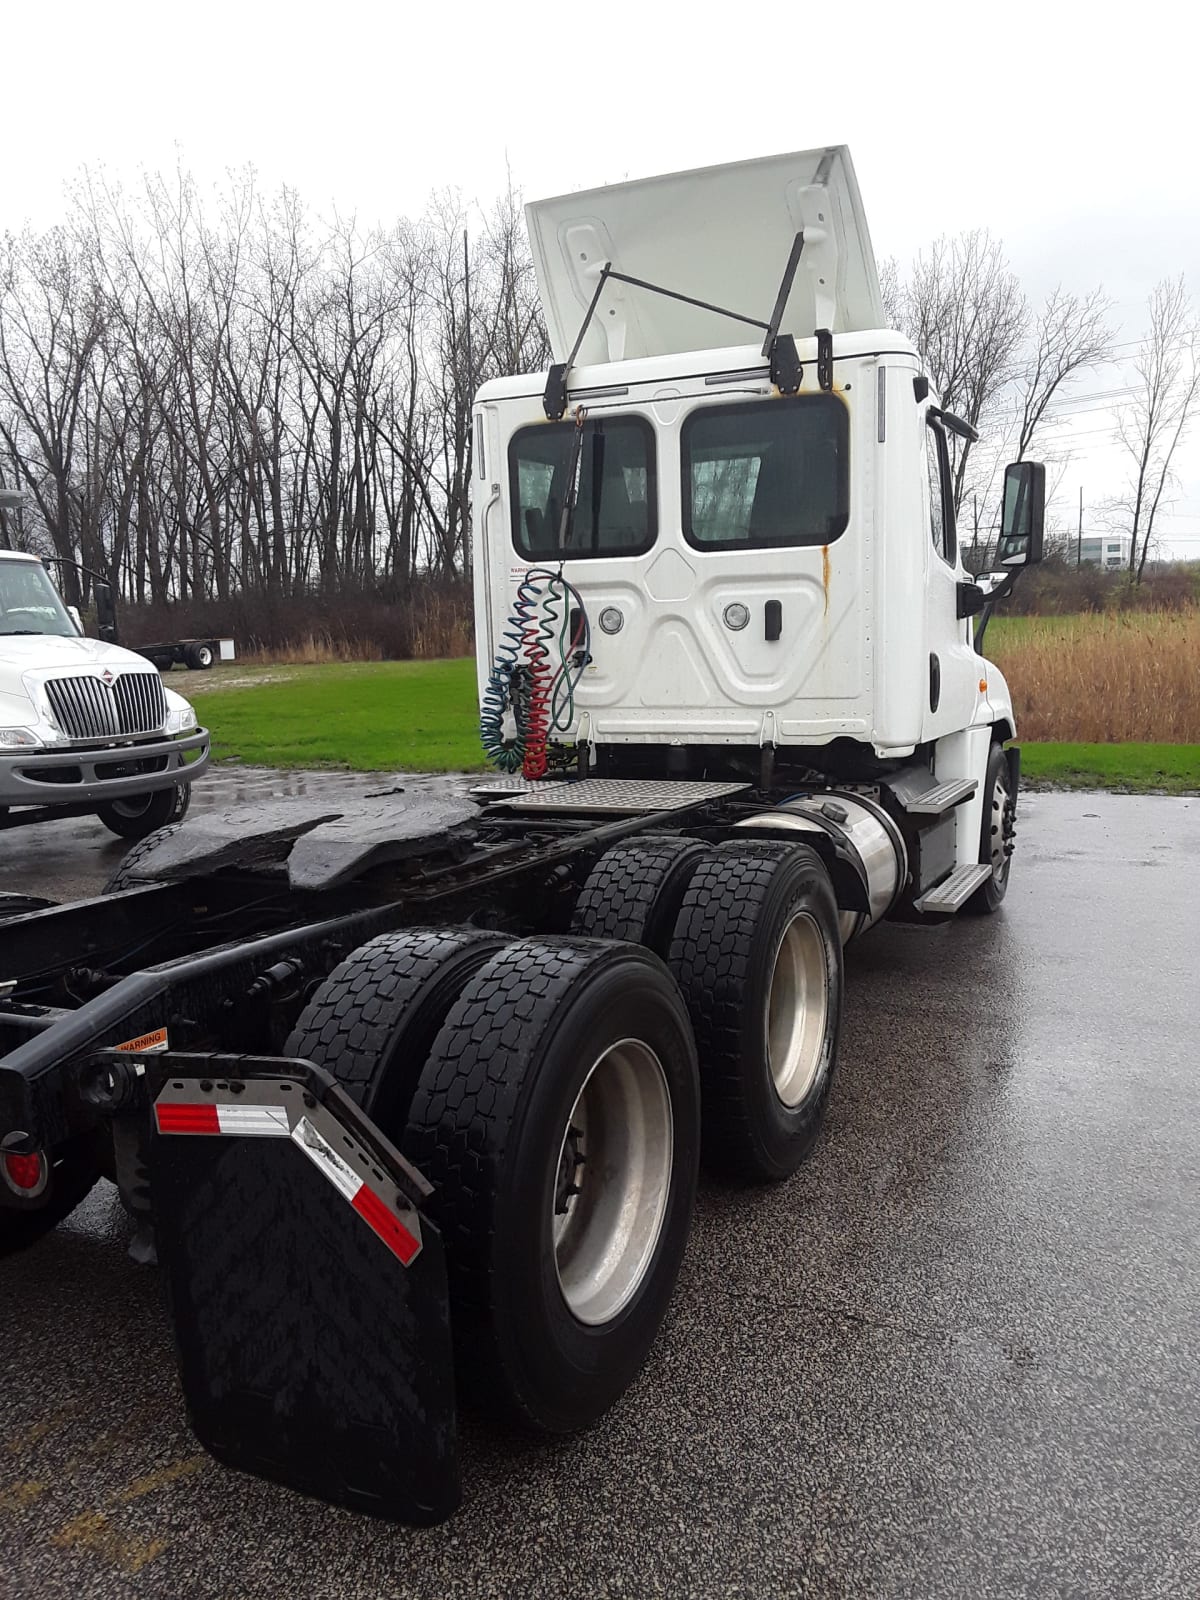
(558, 1120)
(635, 890)
(373, 1021)
(138, 815)
(758, 955)
(199, 657)
(996, 834)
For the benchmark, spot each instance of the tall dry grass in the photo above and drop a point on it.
(1103, 678)
(436, 628)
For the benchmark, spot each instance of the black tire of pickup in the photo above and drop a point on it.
(126, 875)
(373, 1021)
(141, 815)
(744, 901)
(635, 890)
(75, 1172)
(492, 1128)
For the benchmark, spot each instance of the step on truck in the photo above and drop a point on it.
(411, 1097)
(86, 728)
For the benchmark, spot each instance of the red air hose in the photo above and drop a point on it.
(541, 684)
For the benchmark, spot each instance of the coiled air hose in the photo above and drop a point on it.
(529, 693)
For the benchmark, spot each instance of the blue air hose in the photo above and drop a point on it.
(524, 699)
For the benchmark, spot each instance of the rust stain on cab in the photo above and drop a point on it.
(825, 575)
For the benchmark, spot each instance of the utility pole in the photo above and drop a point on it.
(1079, 543)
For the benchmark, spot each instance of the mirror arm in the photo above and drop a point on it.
(1007, 583)
(954, 424)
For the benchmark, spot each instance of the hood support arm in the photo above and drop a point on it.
(554, 399)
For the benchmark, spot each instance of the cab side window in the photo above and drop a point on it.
(941, 503)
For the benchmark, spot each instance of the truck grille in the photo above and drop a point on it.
(87, 708)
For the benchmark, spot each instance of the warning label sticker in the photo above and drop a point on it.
(146, 1042)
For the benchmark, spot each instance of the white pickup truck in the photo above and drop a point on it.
(85, 727)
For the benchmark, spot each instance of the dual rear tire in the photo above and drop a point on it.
(755, 947)
(550, 1091)
(757, 953)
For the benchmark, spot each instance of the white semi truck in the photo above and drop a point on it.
(416, 1097)
(86, 727)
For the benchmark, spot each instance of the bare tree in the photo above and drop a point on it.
(891, 292)
(990, 361)
(1157, 417)
(220, 397)
(51, 321)
(1071, 333)
(963, 308)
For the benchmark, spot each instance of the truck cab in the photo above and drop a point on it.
(86, 727)
(761, 534)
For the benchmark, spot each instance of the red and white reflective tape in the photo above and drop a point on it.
(255, 1122)
(364, 1199)
(271, 1122)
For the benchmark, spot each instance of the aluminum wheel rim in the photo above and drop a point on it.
(999, 854)
(797, 1009)
(612, 1182)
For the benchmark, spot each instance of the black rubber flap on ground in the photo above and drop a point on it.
(308, 1353)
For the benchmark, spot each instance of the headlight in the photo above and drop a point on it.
(18, 739)
(181, 720)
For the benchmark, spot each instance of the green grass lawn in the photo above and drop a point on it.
(1136, 768)
(374, 716)
(421, 716)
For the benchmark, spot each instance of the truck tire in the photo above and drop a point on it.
(75, 1172)
(373, 1021)
(558, 1119)
(125, 876)
(757, 953)
(635, 890)
(996, 835)
(199, 657)
(140, 815)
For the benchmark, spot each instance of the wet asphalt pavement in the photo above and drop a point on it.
(955, 1356)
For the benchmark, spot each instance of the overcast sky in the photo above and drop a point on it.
(1071, 131)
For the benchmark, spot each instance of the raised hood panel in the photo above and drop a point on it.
(720, 234)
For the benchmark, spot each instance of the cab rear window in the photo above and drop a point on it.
(766, 474)
(616, 505)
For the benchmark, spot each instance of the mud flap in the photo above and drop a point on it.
(307, 1291)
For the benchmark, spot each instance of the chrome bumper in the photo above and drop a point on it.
(78, 777)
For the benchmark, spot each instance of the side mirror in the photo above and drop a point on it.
(1023, 516)
(106, 613)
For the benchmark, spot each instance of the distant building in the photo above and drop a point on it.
(1105, 550)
